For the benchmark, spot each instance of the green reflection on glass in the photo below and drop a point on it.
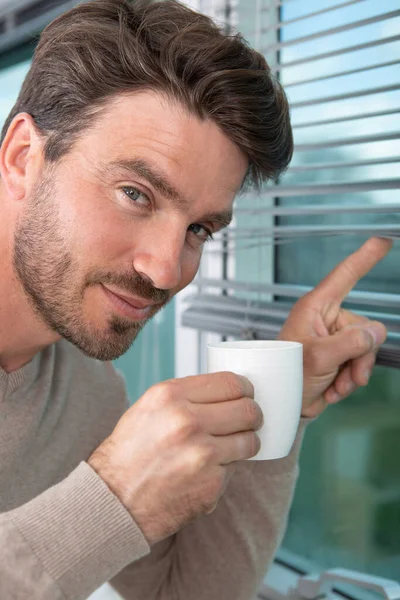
(346, 511)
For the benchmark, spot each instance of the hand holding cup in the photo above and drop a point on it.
(171, 455)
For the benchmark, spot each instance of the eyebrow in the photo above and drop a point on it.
(224, 218)
(159, 181)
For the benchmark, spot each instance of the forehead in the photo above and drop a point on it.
(198, 157)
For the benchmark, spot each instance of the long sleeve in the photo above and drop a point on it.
(67, 541)
(226, 554)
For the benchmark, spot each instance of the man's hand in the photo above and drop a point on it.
(339, 347)
(171, 455)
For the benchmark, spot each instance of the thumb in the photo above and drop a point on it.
(348, 343)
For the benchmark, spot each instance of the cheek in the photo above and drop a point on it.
(97, 232)
(103, 242)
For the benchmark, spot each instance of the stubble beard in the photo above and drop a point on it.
(47, 271)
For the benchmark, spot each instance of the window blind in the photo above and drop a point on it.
(342, 84)
(21, 21)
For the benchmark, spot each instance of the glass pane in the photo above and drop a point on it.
(10, 83)
(333, 18)
(309, 260)
(346, 511)
(330, 20)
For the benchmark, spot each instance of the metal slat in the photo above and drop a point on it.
(333, 188)
(332, 53)
(277, 310)
(269, 242)
(331, 31)
(227, 325)
(391, 301)
(389, 63)
(366, 139)
(309, 15)
(342, 165)
(347, 96)
(328, 209)
(30, 29)
(10, 6)
(246, 328)
(230, 304)
(341, 119)
(35, 10)
(298, 231)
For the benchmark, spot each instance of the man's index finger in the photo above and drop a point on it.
(348, 273)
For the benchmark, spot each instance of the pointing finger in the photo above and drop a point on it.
(344, 277)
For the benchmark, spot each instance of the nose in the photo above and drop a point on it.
(160, 262)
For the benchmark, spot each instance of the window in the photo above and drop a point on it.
(339, 63)
(10, 83)
(348, 497)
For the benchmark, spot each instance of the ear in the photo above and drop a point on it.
(20, 157)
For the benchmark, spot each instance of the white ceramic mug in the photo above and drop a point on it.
(276, 371)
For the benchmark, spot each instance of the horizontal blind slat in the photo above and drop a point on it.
(392, 231)
(391, 301)
(388, 63)
(332, 30)
(243, 326)
(343, 165)
(274, 309)
(330, 188)
(328, 209)
(332, 53)
(342, 119)
(362, 139)
(347, 96)
(316, 13)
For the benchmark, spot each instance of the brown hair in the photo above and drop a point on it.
(103, 48)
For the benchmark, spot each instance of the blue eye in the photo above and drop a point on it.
(135, 195)
(201, 232)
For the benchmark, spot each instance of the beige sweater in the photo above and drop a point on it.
(63, 533)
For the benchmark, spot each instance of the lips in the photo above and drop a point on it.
(132, 300)
(135, 302)
(134, 309)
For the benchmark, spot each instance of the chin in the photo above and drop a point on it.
(107, 344)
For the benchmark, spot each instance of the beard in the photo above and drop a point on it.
(48, 272)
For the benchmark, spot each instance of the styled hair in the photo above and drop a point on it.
(103, 48)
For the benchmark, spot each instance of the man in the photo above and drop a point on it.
(133, 133)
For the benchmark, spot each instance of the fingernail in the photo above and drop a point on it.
(262, 423)
(247, 386)
(366, 376)
(350, 387)
(377, 333)
(333, 397)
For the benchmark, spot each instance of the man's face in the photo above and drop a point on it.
(117, 226)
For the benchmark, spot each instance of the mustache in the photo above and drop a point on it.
(135, 285)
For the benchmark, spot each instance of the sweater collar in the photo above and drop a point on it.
(9, 382)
